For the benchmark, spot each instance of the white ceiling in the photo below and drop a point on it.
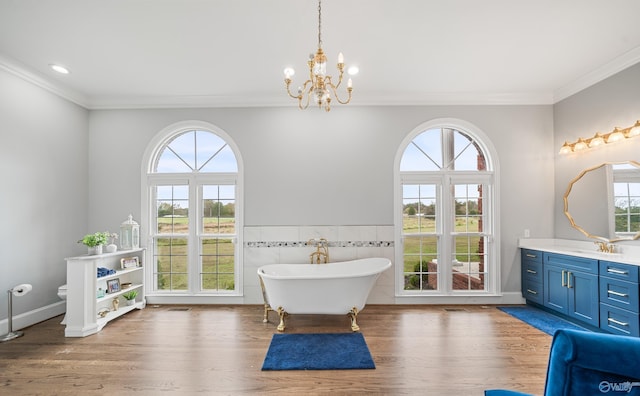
(168, 53)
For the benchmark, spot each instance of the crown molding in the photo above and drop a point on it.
(617, 65)
(19, 70)
(363, 99)
(428, 99)
(173, 102)
(455, 99)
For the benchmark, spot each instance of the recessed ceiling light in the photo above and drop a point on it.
(353, 70)
(59, 69)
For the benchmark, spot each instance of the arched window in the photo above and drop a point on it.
(445, 209)
(194, 212)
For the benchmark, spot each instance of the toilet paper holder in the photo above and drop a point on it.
(17, 291)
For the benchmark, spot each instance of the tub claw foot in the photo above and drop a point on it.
(353, 315)
(281, 313)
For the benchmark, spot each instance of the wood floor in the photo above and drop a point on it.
(216, 350)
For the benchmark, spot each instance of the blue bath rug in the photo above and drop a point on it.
(541, 320)
(318, 351)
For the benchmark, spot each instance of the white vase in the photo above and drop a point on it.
(93, 250)
(131, 302)
(112, 248)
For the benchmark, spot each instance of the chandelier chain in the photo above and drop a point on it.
(319, 23)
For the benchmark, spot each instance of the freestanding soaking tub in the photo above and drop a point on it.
(339, 288)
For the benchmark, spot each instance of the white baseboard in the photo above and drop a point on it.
(35, 316)
(194, 300)
(510, 298)
(47, 312)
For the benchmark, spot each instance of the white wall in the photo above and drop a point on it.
(310, 168)
(614, 102)
(302, 168)
(43, 168)
(67, 171)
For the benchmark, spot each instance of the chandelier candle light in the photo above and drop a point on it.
(319, 85)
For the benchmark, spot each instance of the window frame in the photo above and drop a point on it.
(443, 179)
(195, 181)
(617, 174)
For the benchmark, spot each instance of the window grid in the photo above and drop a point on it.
(420, 237)
(170, 256)
(217, 249)
(627, 207)
(468, 263)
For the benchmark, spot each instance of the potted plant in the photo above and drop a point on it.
(95, 241)
(130, 297)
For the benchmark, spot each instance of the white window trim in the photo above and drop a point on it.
(493, 280)
(618, 176)
(146, 209)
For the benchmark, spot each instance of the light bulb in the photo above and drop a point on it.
(596, 140)
(566, 148)
(635, 130)
(580, 145)
(615, 136)
(289, 72)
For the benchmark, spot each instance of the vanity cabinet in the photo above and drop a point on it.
(88, 309)
(532, 276)
(619, 298)
(571, 286)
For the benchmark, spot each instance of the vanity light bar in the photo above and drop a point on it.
(599, 139)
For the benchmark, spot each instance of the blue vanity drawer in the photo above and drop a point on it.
(619, 293)
(532, 256)
(619, 271)
(532, 271)
(589, 266)
(619, 321)
(533, 292)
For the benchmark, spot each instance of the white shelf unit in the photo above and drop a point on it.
(83, 303)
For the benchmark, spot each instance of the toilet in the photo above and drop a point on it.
(62, 293)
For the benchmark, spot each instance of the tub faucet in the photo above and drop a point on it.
(321, 255)
(605, 247)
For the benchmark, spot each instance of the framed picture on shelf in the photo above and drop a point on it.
(113, 285)
(129, 262)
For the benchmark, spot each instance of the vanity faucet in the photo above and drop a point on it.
(605, 247)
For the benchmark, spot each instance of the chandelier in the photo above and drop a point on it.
(320, 86)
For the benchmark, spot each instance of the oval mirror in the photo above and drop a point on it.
(603, 202)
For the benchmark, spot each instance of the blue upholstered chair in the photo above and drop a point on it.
(583, 363)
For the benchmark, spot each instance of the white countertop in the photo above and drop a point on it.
(624, 252)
